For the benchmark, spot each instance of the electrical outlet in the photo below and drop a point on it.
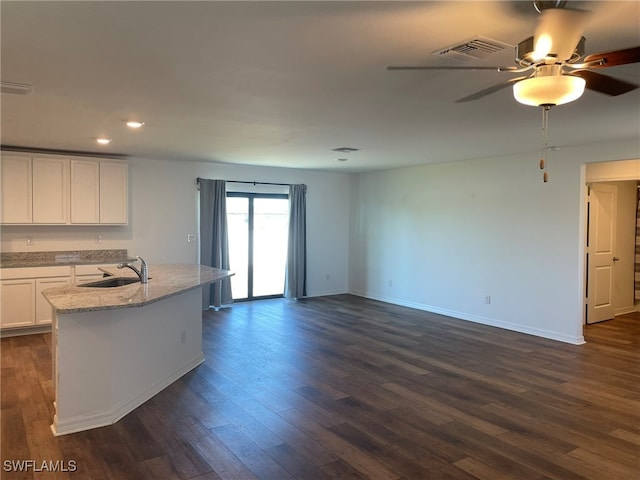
(191, 237)
(98, 238)
(29, 241)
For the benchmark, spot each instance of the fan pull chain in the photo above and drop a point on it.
(545, 149)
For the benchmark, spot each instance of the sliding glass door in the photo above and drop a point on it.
(258, 226)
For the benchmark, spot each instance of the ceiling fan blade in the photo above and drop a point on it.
(604, 83)
(492, 89)
(468, 67)
(558, 32)
(612, 59)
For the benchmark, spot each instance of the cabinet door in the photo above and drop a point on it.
(113, 192)
(85, 191)
(17, 305)
(16, 189)
(50, 190)
(43, 308)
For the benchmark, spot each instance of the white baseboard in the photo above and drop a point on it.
(326, 293)
(625, 310)
(15, 332)
(111, 416)
(577, 340)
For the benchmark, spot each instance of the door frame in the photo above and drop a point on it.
(251, 196)
(600, 171)
(595, 260)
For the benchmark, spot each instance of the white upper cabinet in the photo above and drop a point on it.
(54, 190)
(50, 190)
(114, 207)
(99, 192)
(85, 192)
(16, 187)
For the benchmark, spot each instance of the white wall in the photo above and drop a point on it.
(163, 210)
(442, 237)
(438, 237)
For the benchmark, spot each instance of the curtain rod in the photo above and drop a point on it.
(253, 183)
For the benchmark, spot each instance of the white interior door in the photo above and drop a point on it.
(601, 244)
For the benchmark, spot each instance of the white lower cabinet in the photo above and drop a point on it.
(21, 300)
(44, 313)
(18, 305)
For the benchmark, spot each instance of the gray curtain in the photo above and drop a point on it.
(636, 283)
(214, 240)
(295, 283)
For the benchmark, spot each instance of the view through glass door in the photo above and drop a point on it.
(258, 227)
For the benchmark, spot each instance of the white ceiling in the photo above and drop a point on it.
(282, 83)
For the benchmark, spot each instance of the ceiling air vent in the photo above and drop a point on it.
(475, 48)
(16, 88)
(345, 149)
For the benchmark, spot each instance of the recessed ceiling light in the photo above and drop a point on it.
(103, 141)
(134, 124)
(341, 159)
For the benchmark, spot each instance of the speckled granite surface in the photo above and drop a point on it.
(165, 281)
(67, 257)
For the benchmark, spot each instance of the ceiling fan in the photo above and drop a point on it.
(556, 70)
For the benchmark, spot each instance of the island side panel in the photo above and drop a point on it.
(111, 361)
(172, 346)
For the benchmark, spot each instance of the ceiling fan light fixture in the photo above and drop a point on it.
(542, 49)
(558, 33)
(549, 91)
(541, 5)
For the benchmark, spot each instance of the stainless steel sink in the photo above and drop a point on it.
(111, 282)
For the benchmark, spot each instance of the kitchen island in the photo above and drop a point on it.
(115, 348)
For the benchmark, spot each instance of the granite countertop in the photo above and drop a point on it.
(164, 281)
(63, 258)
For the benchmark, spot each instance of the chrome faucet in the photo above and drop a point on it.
(143, 273)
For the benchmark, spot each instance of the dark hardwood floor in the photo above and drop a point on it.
(347, 388)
